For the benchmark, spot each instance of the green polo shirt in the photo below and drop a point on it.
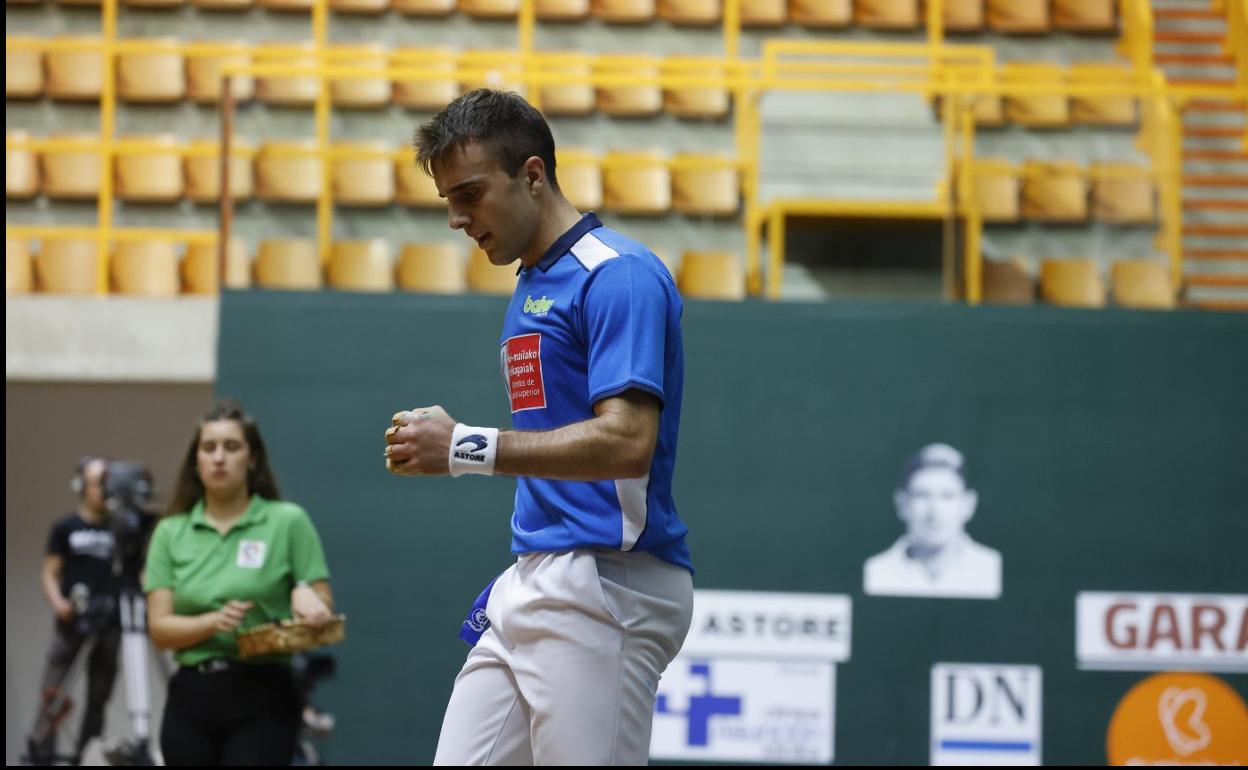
(268, 550)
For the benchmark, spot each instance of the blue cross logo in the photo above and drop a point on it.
(701, 707)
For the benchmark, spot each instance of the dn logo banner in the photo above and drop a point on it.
(985, 715)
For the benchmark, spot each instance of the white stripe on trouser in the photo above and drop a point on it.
(568, 670)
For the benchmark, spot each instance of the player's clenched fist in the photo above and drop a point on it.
(418, 442)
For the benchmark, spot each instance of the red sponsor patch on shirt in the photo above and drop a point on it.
(522, 366)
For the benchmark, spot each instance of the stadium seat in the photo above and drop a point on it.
(146, 268)
(622, 11)
(23, 71)
(763, 13)
(690, 12)
(79, 3)
(1007, 282)
(705, 185)
(490, 9)
(963, 15)
(887, 14)
(1102, 110)
(580, 178)
(288, 172)
(499, 69)
(370, 7)
(567, 98)
(364, 174)
(149, 174)
(1054, 191)
(18, 272)
(561, 10)
(223, 5)
(636, 183)
(1085, 15)
(152, 3)
(74, 75)
(708, 102)
(71, 173)
(1142, 283)
(821, 13)
(201, 169)
(424, 7)
(203, 73)
(21, 167)
(200, 272)
(414, 186)
(486, 278)
(711, 275)
(432, 268)
(428, 94)
(359, 93)
(1122, 193)
(151, 76)
(290, 6)
(1035, 110)
(629, 101)
(1072, 283)
(363, 265)
(996, 186)
(288, 263)
(1018, 16)
(286, 90)
(67, 266)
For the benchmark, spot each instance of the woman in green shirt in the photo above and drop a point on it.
(230, 555)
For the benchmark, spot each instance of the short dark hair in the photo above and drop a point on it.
(933, 456)
(510, 129)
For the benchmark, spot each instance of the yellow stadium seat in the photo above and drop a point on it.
(223, 5)
(67, 266)
(371, 7)
(580, 178)
(629, 101)
(292, 6)
(1054, 192)
(288, 172)
(963, 15)
(763, 13)
(424, 7)
(202, 170)
(18, 272)
(1036, 110)
(74, 75)
(23, 72)
(1007, 282)
(486, 278)
(286, 90)
(567, 98)
(1102, 110)
(821, 13)
(708, 102)
(414, 187)
(361, 266)
(1142, 283)
(705, 185)
(690, 12)
(490, 68)
(201, 273)
(152, 75)
(887, 14)
(622, 11)
(363, 174)
(711, 275)
(203, 73)
(490, 9)
(1122, 193)
(1072, 283)
(636, 183)
(1018, 16)
(988, 110)
(21, 167)
(146, 268)
(72, 174)
(152, 3)
(561, 10)
(996, 186)
(427, 94)
(432, 268)
(1085, 15)
(288, 263)
(149, 174)
(359, 93)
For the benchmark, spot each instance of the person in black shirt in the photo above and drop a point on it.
(79, 581)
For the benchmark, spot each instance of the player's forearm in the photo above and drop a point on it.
(601, 448)
(176, 632)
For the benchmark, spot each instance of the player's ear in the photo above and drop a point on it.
(970, 501)
(534, 171)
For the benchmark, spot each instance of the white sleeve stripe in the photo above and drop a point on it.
(591, 252)
(632, 497)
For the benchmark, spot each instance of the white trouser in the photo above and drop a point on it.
(568, 670)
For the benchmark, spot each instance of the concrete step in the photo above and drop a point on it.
(1215, 204)
(1185, 36)
(1216, 230)
(1167, 12)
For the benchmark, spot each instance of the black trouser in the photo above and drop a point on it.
(245, 715)
(101, 667)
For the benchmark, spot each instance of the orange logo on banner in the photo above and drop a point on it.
(1179, 719)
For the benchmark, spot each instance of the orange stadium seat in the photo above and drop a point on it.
(1071, 282)
(23, 71)
(428, 94)
(490, 9)
(424, 7)
(18, 271)
(288, 172)
(996, 185)
(361, 266)
(821, 13)
(705, 185)
(203, 73)
(1109, 110)
(636, 183)
(1035, 110)
(200, 271)
(286, 90)
(1122, 193)
(887, 14)
(1142, 283)
(291, 6)
(1007, 282)
(1018, 16)
(490, 68)
(21, 167)
(288, 263)
(152, 3)
(486, 278)
(74, 75)
(72, 173)
(580, 178)
(223, 5)
(763, 13)
(1055, 191)
(413, 186)
(561, 10)
(432, 268)
(690, 12)
(67, 266)
(622, 11)
(201, 169)
(633, 101)
(146, 268)
(149, 174)
(708, 102)
(371, 7)
(152, 75)
(364, 174)
(567, 98)
(1085, 15)
(963, 15)
(359, 93)
(79, 3)
(711, 275)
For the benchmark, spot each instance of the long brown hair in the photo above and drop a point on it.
(260, 478)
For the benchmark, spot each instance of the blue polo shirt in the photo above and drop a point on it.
(598, 315)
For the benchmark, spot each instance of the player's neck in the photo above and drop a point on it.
(90, 516)
(226, 509)
(558, 216)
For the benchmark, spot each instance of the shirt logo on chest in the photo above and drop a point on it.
(538, 307)
(251, 554)
(522, 372)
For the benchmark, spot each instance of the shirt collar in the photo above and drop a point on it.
(255, 514)
(588, 221)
